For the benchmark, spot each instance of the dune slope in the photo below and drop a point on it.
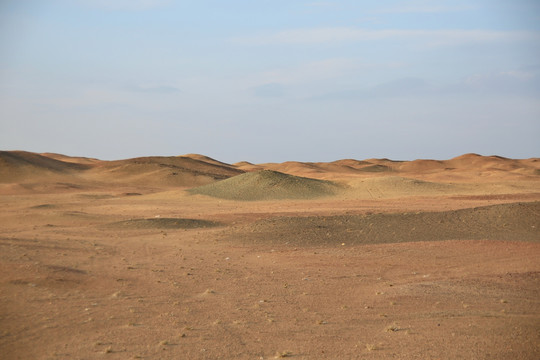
(163, 171)
(43, 172)
(22, 165)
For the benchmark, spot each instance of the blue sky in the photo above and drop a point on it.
(271, 80)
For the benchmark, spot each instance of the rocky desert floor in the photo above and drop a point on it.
(190, 258)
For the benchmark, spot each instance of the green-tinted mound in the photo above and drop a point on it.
(267, 185)
(376, 168)
(164, 223)
(511, 222)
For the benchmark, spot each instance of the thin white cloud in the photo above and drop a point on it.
(125, 5)
(427, 9)
(308, 79)
(321, 4)
(271, 90)
(152, 88)
(349, 34)
(399, 88)
(516, 82)
(511, 81)
(427, 6)
(310, 72)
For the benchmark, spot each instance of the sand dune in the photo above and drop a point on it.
(205, 159)
(71, 159)
(247, 166)
(351, 163)
(385, 259)
(18, 166)
(373, 178)
(267, 185)
(456, 169)
(320, 168)
(163, 171)
(467, 162)
(397, 186)
(35, 172)
(294, 168)
(422, 166)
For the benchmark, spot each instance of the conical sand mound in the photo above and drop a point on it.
(267, 185)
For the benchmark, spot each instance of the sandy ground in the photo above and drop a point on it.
(82, 280)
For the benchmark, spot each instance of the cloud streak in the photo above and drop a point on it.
(512, 82)
(271, 90)
(125, 5)
(402, 87)
(154, 89)
(333, 35)
(321, 4)
(311, 71)
(426, 8)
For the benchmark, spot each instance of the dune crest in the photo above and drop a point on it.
(43, 172)
(164, 171)
(71, 159)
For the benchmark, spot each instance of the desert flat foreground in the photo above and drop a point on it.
(188, 257)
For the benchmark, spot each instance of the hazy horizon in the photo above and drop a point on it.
(271, 81)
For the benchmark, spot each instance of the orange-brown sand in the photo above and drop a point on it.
(377, 259)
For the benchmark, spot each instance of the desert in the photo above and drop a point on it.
(188, 257)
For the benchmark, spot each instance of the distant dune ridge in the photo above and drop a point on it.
(22, 171)
(341, 167)
(184, 171)
(165, 171)
(71, 159)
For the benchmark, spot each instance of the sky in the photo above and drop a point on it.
(271, 80)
